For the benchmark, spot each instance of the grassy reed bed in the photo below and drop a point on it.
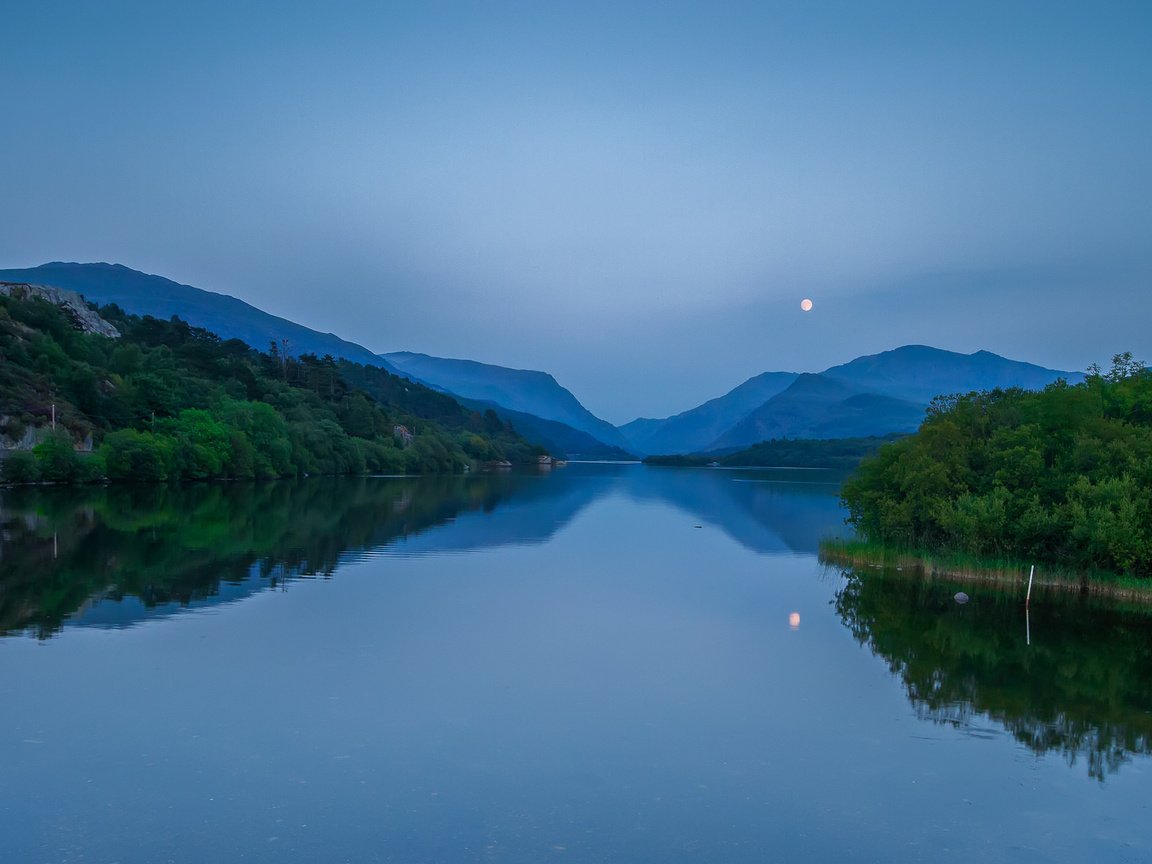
(1004, 573)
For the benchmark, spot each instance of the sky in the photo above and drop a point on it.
(632, 196)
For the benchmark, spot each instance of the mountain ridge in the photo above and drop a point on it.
(700, 426)
(820, 407)
(879, 394)
(527, 391)
(142, 293)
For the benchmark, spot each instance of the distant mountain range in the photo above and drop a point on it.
(698, 428)
(873, 395)
(819, 406)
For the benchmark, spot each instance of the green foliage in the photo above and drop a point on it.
(842, 453)
(169, 401)
(834, 453)
(678, 460)
(140, 456)
(1062, 476)
(20, 467)
(56, 457)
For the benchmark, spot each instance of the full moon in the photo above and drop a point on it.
(806, 305)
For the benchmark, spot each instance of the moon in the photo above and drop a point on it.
(806, 305)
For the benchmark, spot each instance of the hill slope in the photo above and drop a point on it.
(877, 394)
(559, 439)
(522, 390)
(919, 373)
(163, 400)
(817, 406)
(142, 294)
(698, 427)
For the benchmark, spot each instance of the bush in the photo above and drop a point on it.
(132, 455)
(90, 469)
(20, 467)
(1061, 476)
(57, 457)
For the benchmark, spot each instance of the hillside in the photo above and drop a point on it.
(522, 390)
(698, 427)
(142, 294)
(816, 406)
(919, 373)
(165, 400)
(878, 394)
(559, 439)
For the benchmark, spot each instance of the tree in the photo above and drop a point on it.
(56, 456)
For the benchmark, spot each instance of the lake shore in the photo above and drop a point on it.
(999, 572)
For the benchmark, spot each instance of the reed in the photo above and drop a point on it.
(1007, 573)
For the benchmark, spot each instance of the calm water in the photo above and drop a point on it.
(608, 663)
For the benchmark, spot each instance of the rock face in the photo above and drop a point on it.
(71, 302)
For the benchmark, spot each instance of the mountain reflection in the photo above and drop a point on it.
(111, 556)
(1080, 688)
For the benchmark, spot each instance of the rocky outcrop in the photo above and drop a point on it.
(71, 302)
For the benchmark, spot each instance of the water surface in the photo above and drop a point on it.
(604, 663)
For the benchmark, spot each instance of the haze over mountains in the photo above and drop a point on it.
(873, 395)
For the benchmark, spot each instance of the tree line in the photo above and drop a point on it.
(168, 401)
(1061, 476)
(832, 453)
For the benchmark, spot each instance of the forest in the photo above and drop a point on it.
(1061, 476)
(167, 401)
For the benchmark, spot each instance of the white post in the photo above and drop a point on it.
(1028, 597)
(53, 415)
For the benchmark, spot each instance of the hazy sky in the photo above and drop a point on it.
(632, 196)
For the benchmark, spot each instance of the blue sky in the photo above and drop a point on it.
(632, 196)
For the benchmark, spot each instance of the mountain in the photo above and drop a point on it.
(920, 373)
(818, 406)
(698, 427)
(559, 439)
(523, 390)
(533, 401)
(873, 395)
(230, 318)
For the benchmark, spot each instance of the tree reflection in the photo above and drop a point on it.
(1080, 688)
(63, 549)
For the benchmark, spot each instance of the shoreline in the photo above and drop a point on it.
(1002, 574)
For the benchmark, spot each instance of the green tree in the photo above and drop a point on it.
(20, 467)
(56, 456)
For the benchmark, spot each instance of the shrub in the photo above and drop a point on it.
(20, 467)
(57, 457)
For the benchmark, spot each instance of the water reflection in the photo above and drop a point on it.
(112, 556)
(67, 553)
(1072, 678)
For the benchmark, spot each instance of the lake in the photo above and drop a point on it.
(604, 663)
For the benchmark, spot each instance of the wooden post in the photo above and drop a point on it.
(1028, 596)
